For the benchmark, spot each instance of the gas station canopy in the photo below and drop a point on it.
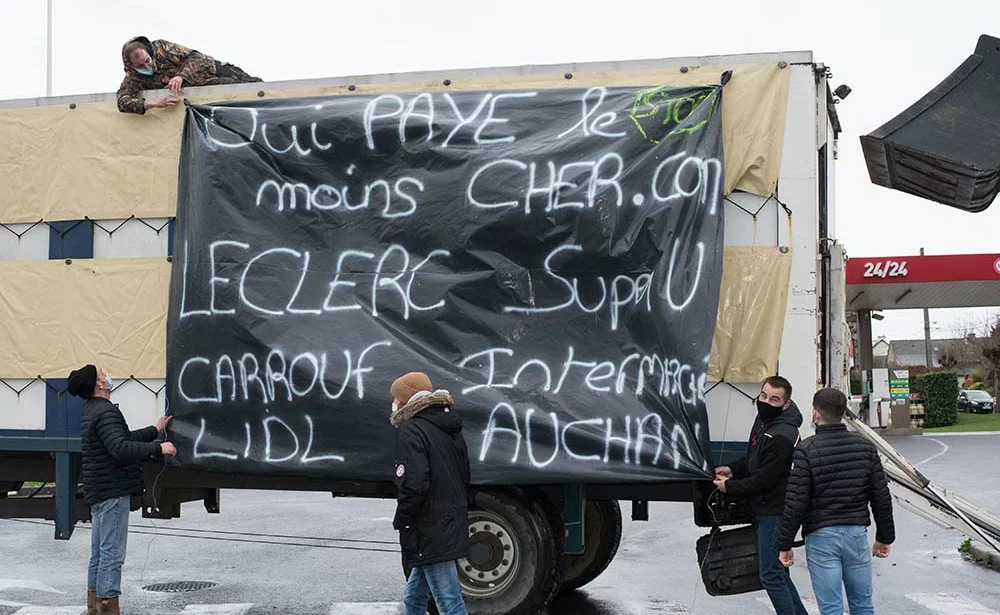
(914, 282)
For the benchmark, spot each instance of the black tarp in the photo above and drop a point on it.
(552, 257)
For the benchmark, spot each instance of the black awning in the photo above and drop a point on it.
(946, 146)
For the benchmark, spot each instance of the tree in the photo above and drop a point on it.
(948, 356)
(939, 391)
(984, 340)
(991, 353)
(981, 344)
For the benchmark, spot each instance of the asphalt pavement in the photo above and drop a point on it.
(306, 553)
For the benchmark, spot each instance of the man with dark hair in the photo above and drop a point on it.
(152, 65)
(836, 476)
(761, 476)
(111, 475)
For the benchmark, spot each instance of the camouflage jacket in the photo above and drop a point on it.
(169, 60)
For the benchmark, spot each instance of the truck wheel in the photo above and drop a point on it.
(513, 565)
(603, 527)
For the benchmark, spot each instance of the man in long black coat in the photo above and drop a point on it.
(432, 480)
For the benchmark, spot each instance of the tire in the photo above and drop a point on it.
(603, 527)
(514, 564)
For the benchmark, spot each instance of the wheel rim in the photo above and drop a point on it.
(493, 559)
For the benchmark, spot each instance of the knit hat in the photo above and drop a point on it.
(408, 385)
(82, 381)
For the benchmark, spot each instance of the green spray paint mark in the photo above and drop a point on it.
(660, 112)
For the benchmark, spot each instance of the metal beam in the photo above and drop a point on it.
(574, 505)
(494, 73)
(38, 508)
(866, 357)
(67, 470)
(39, 443)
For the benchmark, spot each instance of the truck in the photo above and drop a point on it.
(601, 261)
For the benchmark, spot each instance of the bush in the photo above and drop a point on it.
(939, 392)
(978, 386)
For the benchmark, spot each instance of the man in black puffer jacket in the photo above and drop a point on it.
(761, 476)
(111, 475)
(432, 480)
(836, 475)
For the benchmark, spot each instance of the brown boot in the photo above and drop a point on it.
(92, 602)
(109, 606)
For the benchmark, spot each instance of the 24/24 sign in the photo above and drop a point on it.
(885, 269)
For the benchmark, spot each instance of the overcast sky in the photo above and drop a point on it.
(890, 52)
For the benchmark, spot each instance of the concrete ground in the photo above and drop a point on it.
(297, 554)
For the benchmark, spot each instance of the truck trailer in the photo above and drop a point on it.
(600, 261)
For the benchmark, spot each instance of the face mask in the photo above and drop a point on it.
(766, 411)
(145, 71)
(110, 385)
(395, 407)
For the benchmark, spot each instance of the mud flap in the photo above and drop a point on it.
(943, 148)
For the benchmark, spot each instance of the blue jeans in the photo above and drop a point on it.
(441, 580)
(108, 535)
(774, 576)
(839, 557)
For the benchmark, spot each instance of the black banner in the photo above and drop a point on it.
(551, 257)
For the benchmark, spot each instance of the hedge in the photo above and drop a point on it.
(939, 391)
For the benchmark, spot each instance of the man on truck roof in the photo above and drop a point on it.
(153, 65)
(762, 476)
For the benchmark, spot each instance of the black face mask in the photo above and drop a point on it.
(766, 411)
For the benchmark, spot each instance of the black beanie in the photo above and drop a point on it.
(82, 381)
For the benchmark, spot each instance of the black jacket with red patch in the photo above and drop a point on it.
(432, 482)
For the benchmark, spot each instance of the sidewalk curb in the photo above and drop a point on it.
(984, 556)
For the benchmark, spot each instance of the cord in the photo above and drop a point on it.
(36, 491)
(701, 569)
(180, 533)
(708, 549)
(156, 531)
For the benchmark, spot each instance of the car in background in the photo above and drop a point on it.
(975, 402)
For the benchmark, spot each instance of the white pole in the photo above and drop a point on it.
(48, 48)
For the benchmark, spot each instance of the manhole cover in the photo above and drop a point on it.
(179, 586)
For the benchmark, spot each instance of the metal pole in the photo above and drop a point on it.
(866, 361)
(927, 333)
(48, 48)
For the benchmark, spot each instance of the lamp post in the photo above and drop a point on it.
(927, 330)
